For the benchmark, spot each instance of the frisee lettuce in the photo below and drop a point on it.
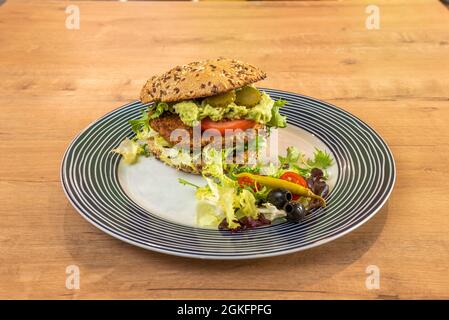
(129, 150)
(321, 159)
(223, 198)
(187, 183)
(277, 120)
(271, 212)
(138, 125)
(292, 157)
(208, 214)
(157, 109)
(246, 204)
(231, 202)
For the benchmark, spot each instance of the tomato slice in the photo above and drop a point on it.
(248, 182)
(221, 126)
(295, 178)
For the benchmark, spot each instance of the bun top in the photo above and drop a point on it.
(200, 79)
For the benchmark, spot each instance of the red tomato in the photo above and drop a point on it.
(221, 126)
(295, 178)
(248, 182)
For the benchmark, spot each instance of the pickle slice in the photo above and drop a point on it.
(247, 96)
(221, 100)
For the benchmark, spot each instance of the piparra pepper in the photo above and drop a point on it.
(279, 183)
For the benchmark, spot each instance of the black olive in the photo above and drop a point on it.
(279, 197)
(295, 211)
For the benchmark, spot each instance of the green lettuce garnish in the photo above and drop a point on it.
(296, 161)
(129, 150)
(246, 204)
(321, 159)
(138, 125)
(231, 202)
(277, 120)
(158, 109)
(208, 214)
(188, 183)
(292, 157)
(223, 198)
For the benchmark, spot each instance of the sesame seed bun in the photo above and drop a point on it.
(200, 79)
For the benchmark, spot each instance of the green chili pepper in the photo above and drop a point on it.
(279, 183)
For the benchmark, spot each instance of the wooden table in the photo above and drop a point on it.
(55, 81)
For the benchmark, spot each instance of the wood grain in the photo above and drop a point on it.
(56, 81)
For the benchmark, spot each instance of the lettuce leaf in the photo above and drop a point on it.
(292, 157)
(138, 125)
(208, 214)
(246, 202)
(231, 201)
(277, 120)
(158, 109)
(129, 150)
(226, 201)
(271, 212)
(321, 159)
(220, 199)
(212, 162)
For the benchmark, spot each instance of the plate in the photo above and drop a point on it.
(144, 204)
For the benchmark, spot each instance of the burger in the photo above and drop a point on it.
(216, 95)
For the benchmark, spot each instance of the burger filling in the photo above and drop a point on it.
(238, 110)
(247, 103)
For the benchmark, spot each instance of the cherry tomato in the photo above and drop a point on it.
(221, 126)
(295, 178)
(248, 182)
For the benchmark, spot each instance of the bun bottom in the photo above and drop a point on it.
(157, 153)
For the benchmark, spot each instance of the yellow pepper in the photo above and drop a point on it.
(279, 183)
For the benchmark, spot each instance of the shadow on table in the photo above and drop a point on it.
(99, 253)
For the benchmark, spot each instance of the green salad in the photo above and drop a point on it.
(243, 197)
